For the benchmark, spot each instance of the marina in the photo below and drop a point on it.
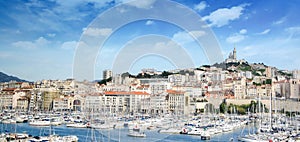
(114, 135)
(141, 128)
(149, 71)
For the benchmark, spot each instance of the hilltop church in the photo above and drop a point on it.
(232, 58)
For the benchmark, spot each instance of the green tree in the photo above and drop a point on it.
(223, 107)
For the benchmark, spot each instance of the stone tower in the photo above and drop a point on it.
(234, 53)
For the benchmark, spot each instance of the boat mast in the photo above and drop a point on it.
(270, 112)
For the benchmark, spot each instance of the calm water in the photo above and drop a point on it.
(116, 135)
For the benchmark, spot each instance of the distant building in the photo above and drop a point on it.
(296, 74)
(150, 71)
(107, 74)
(159, 87)
(294, 88)
(270, 72)
(232, 57)
(239, 88)
(248, 74)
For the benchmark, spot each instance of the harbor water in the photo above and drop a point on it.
(117, 135)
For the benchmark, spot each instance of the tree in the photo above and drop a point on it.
(269, 81)
(165, 74)
(104, 81)
(223, 107)
(241, 110)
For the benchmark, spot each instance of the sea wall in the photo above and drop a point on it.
(287, 105)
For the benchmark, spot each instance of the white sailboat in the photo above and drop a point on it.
(43, 122)
(136, 134)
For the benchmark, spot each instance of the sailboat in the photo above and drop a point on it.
(52, 137)
(133, 133)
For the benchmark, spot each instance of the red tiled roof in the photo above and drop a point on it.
(282, 81)
(174, 92)
(29, 87)
(22, 98)
(9, 89)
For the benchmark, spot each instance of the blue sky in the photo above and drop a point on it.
(38, 39)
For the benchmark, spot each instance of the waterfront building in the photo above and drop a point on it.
(156, 104)
(294, 88)
(123, 102)
(35, 100)
(47, 99)
(63, 103)
(251, 92)
(93, 103)
(21, 99)
(22, 104)
(6, 98)
(78, 102)
(178, 102)
(287, 88)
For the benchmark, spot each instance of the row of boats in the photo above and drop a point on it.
(275, 128)
(204, 126)
(23, 137)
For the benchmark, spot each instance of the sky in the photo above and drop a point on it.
(39, 39)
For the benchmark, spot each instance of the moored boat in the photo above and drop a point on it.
(136, 134)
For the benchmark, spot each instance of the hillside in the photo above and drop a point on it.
(6, 78)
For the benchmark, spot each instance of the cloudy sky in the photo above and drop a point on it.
(39, 39)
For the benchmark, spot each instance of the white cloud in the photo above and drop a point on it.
(293, 30)
(223, 16)
(69, 45)
(149, 22)
(144, 4)
(264, 32)
(64, 5)
(271, 52)
(197, 34)
(280, 21)
(243, 31)
(248, 48)
(201, 6)
(40, 42)
(184, 37)
(235, 38)
(97, 31)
